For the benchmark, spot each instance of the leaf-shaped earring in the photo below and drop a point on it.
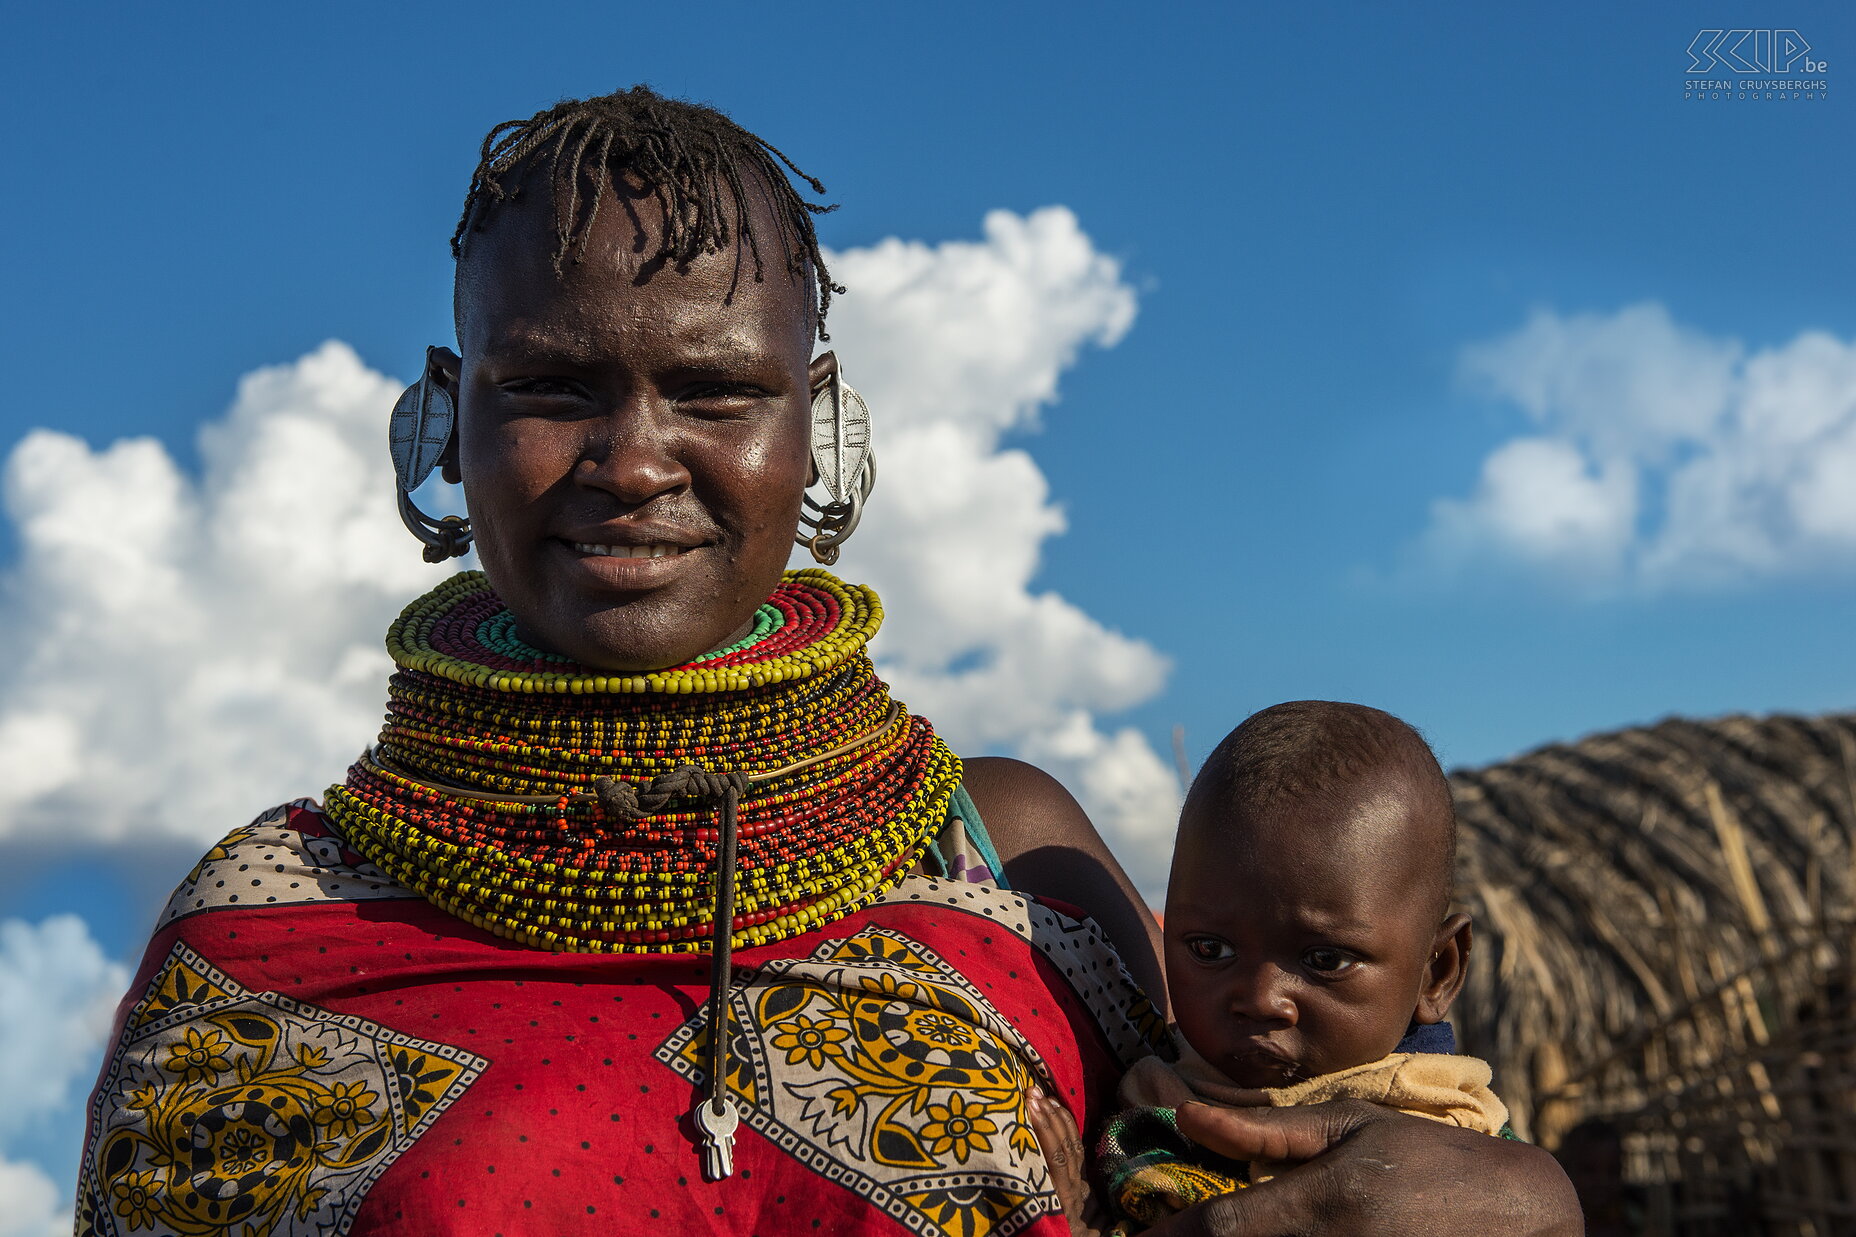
(845, 464)
(424, 419)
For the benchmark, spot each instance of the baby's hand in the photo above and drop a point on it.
(1062, 1145)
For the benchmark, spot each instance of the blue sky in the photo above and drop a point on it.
(1320, 211)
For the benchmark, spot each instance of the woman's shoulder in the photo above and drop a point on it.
(1018, 792)
(286, 856)
(1049, 847)
(1027, 811)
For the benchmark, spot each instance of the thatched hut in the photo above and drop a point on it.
(1663, 973)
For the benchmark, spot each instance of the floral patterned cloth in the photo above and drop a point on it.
(309, 1049)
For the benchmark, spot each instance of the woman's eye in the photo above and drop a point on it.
(1209, 948)
(1329, 961)
(541, 388)
(722, 397)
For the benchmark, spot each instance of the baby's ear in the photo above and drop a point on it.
(1443, 975)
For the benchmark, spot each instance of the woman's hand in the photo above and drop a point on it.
(1369, 1171)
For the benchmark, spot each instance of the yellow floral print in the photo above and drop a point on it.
(200, 1056)
(885, 1057)
(810, 1040)
(346, 1109)
(958, 1128)
(239, 1112)
(137, 1197)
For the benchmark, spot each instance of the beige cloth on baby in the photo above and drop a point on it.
(1434, 1085)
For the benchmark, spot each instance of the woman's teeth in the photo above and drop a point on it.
(628, 551)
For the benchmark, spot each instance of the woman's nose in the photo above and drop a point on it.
(629, 453)
(1262, 995)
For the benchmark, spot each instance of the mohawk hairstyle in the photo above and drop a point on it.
(685, 153)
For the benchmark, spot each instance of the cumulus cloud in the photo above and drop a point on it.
(29, 1202)
(955, 346)
(57, 994)
(1661, 457)
(188, 650)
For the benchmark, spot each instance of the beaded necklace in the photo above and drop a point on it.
(744, 798)
(491, 792)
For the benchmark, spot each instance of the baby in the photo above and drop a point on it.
(1310, 951)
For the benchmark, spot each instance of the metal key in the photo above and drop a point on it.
(718, 1138)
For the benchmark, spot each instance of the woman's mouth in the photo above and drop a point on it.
(629, 551)
(607, 566)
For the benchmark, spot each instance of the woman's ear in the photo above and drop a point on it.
(445, 366)
(823, 369)
(1444, 973)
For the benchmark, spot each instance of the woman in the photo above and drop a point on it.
(473, 992)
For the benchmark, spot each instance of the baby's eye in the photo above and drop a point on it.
(1209, 948)
(1326, 960)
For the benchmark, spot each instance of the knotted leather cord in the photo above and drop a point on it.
(706, 787)
(721, 953)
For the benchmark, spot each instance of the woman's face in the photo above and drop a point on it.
(633, 437)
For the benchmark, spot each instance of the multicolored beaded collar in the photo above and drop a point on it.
(544, 802)
(744, 798)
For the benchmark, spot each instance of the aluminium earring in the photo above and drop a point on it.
(845, 464)
(424, 419)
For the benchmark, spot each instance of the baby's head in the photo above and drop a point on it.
(1307, 920)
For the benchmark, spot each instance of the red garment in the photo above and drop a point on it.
(310, 1049)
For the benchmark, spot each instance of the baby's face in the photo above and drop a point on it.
(1299, 944)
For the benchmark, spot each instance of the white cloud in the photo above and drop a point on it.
(1541, 500)
(188, 650)
(954, 345)
(1124, 782)
(1663, 458)
(57, 995)
(29, 1202)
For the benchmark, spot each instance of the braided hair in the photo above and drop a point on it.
(685, 154)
